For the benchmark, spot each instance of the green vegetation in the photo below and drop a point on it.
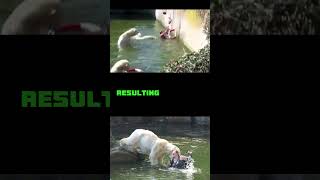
(198, 62)
(290, 17)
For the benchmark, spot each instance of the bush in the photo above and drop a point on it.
(195, 62)
(288, 17)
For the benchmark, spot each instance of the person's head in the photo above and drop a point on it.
(175, 154)
(171, 149)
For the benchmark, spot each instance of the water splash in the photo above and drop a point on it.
(188, 172)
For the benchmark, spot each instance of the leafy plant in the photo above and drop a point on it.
(265, 17)
(198, 62)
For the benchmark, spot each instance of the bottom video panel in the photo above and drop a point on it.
(159, 147)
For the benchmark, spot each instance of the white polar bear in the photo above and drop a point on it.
(122, 66)
(146, 142)
(32, 17)
(131, 35)
(43, 17)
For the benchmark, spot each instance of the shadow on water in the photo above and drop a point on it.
(186, 137)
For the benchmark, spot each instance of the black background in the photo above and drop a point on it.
(261, 96)
(53, 140)
(266, 117)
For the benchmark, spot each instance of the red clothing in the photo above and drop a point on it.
(164, 34)
(132, 70)
(69, 27)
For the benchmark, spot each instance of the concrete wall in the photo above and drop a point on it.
(188, 24)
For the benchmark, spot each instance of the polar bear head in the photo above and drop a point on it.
(123, 142)
(132, 32)
(173, 150)
(120, 66)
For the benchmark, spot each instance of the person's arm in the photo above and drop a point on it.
(183, 158)
(171, 163)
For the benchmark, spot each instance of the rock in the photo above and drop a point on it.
(201, 120)
(115, 121)
(179, 119)
(119, 155)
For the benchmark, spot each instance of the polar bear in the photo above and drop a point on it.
(130, 35)
(146, 142)
(32, 17)
(43, 17)
(122, 66)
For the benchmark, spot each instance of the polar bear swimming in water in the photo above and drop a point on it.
(131, 35)
(146, 142)
(122, 66)
(43, 17)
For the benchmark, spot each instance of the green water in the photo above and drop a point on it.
(200, 147)
(148, 55)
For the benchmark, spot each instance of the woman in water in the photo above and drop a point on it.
(180, 161)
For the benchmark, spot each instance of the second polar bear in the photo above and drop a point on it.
(146, 142)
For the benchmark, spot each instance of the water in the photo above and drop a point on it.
(148, 55)
(73, 11)
(186, 139)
